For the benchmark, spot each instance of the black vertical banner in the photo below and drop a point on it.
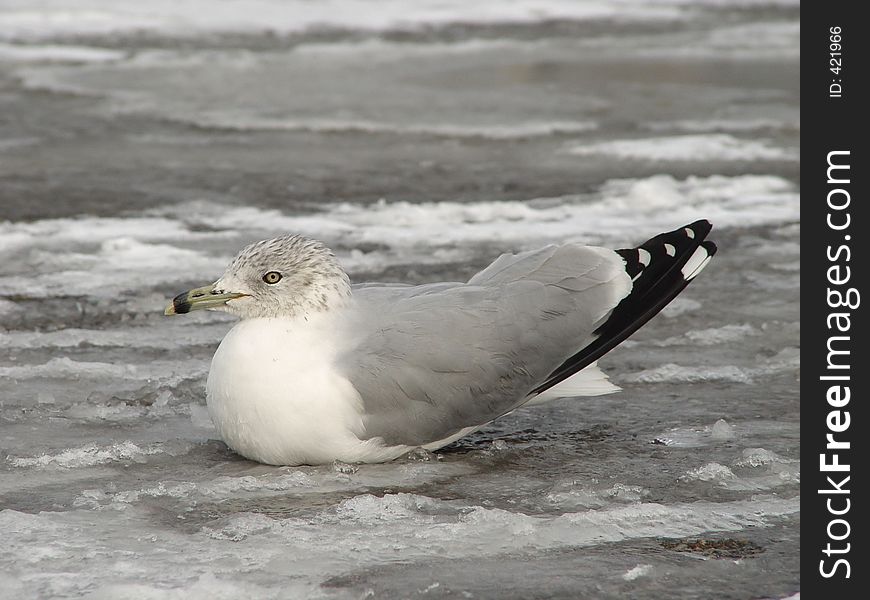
(835, 426)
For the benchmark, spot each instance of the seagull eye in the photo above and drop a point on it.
(272, 277)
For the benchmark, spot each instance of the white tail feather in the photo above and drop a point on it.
(591, 381)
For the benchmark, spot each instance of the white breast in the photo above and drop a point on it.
(275, 397)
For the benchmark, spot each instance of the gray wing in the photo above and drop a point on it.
(431, 360)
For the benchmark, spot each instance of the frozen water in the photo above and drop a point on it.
(20, 20)
(708, 148)
(690, 374)
(712, 336)
(108, 255)
(710, 472)
(638, 571)
(721, 430)
(144, 143)
(87, 456)
(50, 53)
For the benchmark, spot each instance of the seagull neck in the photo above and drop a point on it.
(325, 295)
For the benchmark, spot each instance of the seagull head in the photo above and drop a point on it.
(287, 276)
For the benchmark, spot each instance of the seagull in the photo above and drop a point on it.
(318, 370)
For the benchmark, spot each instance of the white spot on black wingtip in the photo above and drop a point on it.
(670, 249)
(698, 260)
(690, 233)
(643, 257)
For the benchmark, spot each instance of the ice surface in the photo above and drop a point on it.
(671, 372)
(19, 20)
(89, 455)
(711, 472)
(361, 531)
(757, 457)
(694, 437)
(57, 53)
(778, 475)
(723, 125)
(60, 368)
(785, 361)
(419, 141)
(679, 306)
(722, 430)
(144, 337)
(573, 495)
(500, 131)
(708, 147)
(638, 571)
(713, 336)
(136, 252)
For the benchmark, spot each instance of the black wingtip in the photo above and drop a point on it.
(660, 269)
(704, 224)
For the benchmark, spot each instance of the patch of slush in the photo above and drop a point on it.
(743, 431)
(200, 418)
(771, 40)
(93, 412)
(710, 337)
(673, 373)
(792, 267)
(63, 368)
(569, 495)
(360, 532)
(608, 216)
(111, 256)
(92, 230)
(783, 36)
(722, 430)
(759, 40)
(711, 147)
(310, 481)
(21, 142)
(212, 586)
(94, 454)
(381, 50)
(787, 359)
(698, 437)
(760, 478)
(724, 125)
(513, 131)
(710, 472)
(435, 524)
(20, 20)
(141, 337)
(679, 306)
(759, 457)
(108, 268)
(57, 53)
(7, 307)
(221, 487)
(637, 571)
(767, 469)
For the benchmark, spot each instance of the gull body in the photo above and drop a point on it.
(318, 370)
(275, 395)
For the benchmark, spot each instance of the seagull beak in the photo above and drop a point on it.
(200, 298)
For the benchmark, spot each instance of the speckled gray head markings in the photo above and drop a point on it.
(286, 254)
(311, 279)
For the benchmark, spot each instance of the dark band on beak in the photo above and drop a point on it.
(181, 303)
(206, 297)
